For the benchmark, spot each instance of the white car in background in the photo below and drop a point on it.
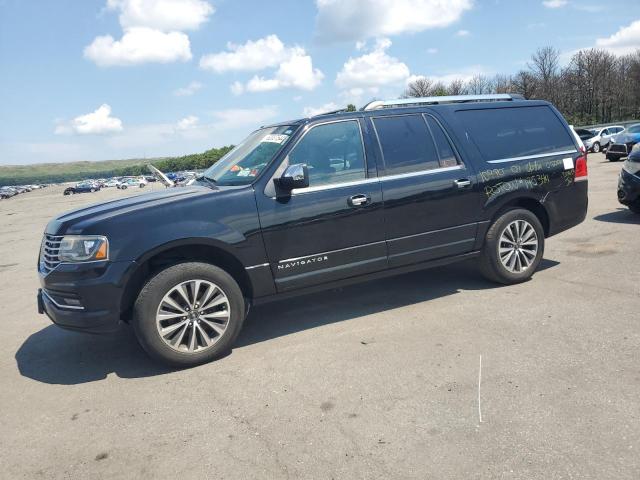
(602, 137)
(111, 183)
(133, 183)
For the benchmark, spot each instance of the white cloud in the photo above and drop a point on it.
(313, 111)
(152, 32)
(555, 3)
(344, 20)
(252, 56)
(296, 72)
(98, 122)
(625, 40)
(373, 69)
(432, 51)
(294, 65)
(165, 15)
(139, 45)
(188, 123)
(463, 33)
(189, 90)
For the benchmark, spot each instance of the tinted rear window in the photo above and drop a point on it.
(501, 133)
(407, 144)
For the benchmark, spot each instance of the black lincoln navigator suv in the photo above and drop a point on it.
(318, 203)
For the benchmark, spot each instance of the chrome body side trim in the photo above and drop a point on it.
(256, 266)
(61, 307)
(531, 157)
(329, 252)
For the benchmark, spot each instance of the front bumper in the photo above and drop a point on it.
(84, 297)
(628, 188)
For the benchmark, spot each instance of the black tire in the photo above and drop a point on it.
(596, 147)
(635, 207)
(490, 264)
(148, 302)
(93, 190)
(123, 187)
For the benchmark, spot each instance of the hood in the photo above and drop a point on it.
(76, 221)
(627, 137)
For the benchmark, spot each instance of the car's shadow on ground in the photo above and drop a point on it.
(621, 215)
(56, 356)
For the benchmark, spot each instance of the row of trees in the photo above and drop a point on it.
(195, 161)
(595, 86)
(75, 171)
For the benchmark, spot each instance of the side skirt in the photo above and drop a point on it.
(364, 278)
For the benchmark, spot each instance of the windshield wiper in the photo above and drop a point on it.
(209, 180)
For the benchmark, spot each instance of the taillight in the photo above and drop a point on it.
(581, 166)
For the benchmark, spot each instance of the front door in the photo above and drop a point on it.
(332, 229)
(431, 200)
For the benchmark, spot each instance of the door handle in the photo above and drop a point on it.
(463, 183)
(358, 200)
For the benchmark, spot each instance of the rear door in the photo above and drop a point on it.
(431, 203)
(334, 228)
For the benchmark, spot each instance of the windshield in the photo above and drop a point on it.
(245, 162)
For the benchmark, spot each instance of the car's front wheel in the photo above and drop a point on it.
(596, 147)
(513, 247)
(189, 314)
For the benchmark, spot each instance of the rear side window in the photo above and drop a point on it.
(445, 150)
(501, 133)
(407, 145)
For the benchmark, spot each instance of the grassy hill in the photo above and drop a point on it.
(73, 171)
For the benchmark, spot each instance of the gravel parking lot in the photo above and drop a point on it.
(435, 374)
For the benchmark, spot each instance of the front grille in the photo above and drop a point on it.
(49, 258)
(618, 147)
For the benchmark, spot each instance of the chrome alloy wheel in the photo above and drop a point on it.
(193, 316)
(518, 246)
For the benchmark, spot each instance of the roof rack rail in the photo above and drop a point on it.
(411, 102)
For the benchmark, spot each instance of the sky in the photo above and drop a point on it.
(114, 79)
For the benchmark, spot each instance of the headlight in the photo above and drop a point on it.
(83, 248)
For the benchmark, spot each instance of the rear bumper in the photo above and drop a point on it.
(628, 188)
(567, 207)
(85, 297)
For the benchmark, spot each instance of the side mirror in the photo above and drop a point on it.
(295, 176)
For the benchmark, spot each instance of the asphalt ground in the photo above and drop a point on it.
(431, 375)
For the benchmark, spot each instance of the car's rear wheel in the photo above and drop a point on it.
(513, 248)
(189, 314)
(596, 147)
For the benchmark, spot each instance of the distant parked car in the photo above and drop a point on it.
(629, 181)
(7, 192)
(84, 187)
(623, 143)
(601, 137)
(111, 183)
(132, 182)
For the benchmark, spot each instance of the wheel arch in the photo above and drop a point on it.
(527, 203)
(203, 250)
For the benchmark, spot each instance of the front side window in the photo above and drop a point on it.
(406, 143)
(502, 133)
(244, 163)
(333, 153)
